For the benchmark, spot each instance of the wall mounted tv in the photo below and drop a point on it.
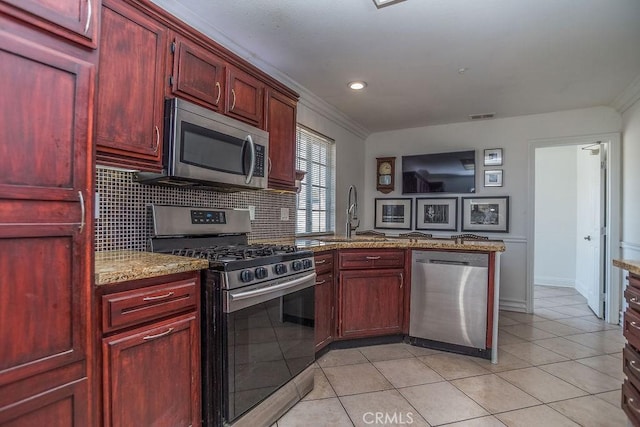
(453, 172)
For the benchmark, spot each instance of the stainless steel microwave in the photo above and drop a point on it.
(204, 149)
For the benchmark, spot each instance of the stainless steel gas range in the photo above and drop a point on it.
(257, 311)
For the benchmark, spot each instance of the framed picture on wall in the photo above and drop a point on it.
(493, 157)
(437, 213)
(493, 178)
(393, 213)
(487, 214)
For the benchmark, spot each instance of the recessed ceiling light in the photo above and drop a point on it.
(462, 70)
(383, 3)
(357, 85)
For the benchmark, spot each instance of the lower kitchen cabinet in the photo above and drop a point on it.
(151, 361)
(631, 351)
(371, 302)
(324, 300)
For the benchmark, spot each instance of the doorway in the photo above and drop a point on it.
(574, 226)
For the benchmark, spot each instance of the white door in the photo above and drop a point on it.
(589, 226)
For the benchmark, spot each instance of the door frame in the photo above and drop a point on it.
(612, 239)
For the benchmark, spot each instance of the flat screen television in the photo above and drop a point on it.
(453, 172)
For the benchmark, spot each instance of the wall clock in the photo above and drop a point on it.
(385, 174)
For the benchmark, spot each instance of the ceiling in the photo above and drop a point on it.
(522, 56)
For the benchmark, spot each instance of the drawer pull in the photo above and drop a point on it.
(633, 366)
(161, 334)
(635, 325)
(634, 302)
(372, 258)
(156, 298)
(631, 402)
(321, 282)
(321, 261)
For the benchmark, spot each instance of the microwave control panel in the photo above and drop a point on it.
(259, 169)
(208, 217)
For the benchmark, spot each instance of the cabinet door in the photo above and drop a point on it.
(130, 92)
(281, 125)
(198, 74)
(245, 97)
(73, 19)
(45, 231)
(152, 375)
(324, 304)
(371, 302)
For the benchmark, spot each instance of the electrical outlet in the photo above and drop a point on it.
(252, 212)
(284, 214)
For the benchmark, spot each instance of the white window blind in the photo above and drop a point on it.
(315, 154)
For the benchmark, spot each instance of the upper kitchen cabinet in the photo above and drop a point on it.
(244, 97)
(197, 74)
(281, 125)
(130, 101)
(46, 195)
(75, 20)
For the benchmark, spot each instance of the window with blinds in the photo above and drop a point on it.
(315, 154)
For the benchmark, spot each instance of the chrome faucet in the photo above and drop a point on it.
(352, 211)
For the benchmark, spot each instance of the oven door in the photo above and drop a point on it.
(268, 338)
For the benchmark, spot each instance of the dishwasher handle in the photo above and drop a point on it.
(442, 261)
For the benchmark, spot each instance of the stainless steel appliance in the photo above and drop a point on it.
(205, 149)
(257, 312)
(449, 301)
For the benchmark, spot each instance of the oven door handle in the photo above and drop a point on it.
(263, 291)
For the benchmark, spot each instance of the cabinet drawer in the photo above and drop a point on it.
(326, 278)
(324, 263)
(634, 281)
(631, 402)
(631, 328)
(632, 295)
(140, 305)
(631, 365)
(371, 258)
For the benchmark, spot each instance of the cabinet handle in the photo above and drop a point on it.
(372, 258)
(219, 92)
(82, 211)
(401, 280)
(633, 366)
(321, 282)
(322, 261)
(635, 325)
(156, 298)
(161, 334)
(233, 104)
(155, 148)
(89, 15)
(269, 170)
(634, 302)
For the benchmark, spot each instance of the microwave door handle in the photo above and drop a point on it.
(252, 151)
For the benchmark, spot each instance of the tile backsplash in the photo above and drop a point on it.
(123, 222)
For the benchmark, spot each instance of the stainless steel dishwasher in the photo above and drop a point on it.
(449, 301)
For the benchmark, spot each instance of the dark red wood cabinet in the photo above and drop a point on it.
(244, 97)
(324, 299)
(151, 352)
(75, 20)
(130, 100)
(281, 119)
(46, 194)
(198, 74)
(631, 353)
(371, 292)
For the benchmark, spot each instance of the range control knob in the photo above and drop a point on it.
(306, 263)
(280, 269)
(246, 275)
(261, 273)
(296, 265)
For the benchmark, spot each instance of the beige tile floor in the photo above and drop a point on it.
(558, 367)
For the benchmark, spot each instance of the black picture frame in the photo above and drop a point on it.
(393, 213)
(437, 213)
(485, 214)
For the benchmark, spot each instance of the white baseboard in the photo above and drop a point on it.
(509, 305)
(554, 281)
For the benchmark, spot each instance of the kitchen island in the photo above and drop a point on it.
(364, 285)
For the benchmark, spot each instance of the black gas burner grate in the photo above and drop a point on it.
(235, 252)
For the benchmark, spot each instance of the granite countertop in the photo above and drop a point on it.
(359, 242)
(632, 266)
(120, 266)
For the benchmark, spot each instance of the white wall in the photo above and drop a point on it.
(511, 134)
(631, 182)
(349, 157)
(555, 216)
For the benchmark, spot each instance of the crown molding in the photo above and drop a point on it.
(307, 98)
(628, 97)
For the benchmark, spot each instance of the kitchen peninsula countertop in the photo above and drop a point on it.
(121, 266)
(324, 243)
(632, 266)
